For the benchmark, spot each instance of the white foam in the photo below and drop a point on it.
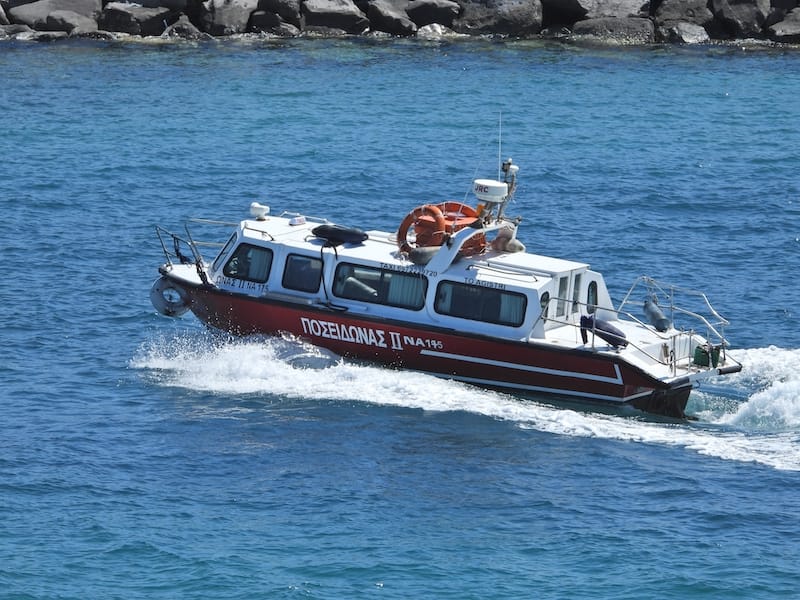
(763, 429)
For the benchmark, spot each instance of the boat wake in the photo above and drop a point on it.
(755, 417)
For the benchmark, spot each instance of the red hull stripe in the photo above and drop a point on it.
(514, 366)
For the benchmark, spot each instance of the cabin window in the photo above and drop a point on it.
(381, 286)
(250, 263)
(563, 288)
(302, 273)
(479, 303)
(591, 299)
(576, 294)
(228, 245)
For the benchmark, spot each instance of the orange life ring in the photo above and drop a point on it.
(429, 227)
(458, 216)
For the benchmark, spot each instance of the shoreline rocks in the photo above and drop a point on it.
(619, 22)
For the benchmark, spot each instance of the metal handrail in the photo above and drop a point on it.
(196, 258)
(670, 291)
(577, 327)
(671, 339)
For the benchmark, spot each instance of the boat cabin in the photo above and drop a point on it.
(510, 295)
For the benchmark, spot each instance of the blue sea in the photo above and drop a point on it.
(143, 457)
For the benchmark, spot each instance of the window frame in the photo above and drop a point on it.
(482, 296)
(242, 248)
(382, 290)
(311, 259)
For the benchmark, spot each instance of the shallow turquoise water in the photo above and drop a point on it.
(141, 458)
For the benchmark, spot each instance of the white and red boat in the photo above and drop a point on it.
(452, 293)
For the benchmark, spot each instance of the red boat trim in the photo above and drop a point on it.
(507, 365)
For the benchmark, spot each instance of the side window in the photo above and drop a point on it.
(479, 303)
(591, 299)
(544, 302)
(302, 273)
(250, 263)
(223, 253)
(563, 287)
(381, 286)
(576, 294)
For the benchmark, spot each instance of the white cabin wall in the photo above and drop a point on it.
(605, 307)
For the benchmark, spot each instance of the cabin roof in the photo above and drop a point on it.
(381, 247)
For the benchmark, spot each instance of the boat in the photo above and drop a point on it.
(454, 293)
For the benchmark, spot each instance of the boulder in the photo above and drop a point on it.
(778, 9)
(270, 22)
(175, 5)
(335, 14)
(135, 19)
(9, 4)
(287, 10)
(629, 31)
(183, 28)
(788, 30)
(225, 17)
(569, 11)
(71, 22)
(510, 17)
(428, 12)
(41, 36)
(741, 18)
(390, 16)
(3, 18)
(13, 30)
(681, 32)
(684, 11)
(435, 31)
(34, 14)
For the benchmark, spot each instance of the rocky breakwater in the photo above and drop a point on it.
(613, 21)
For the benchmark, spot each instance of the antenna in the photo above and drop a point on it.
(500, 146)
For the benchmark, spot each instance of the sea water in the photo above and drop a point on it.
(144, 457)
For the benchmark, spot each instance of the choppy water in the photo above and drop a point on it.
(141, 457)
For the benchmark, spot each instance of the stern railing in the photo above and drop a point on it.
(677, 344)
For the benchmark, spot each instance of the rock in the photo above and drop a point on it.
(34, 14)
(43, 36)
(788, 30)
(3, 17)
(111, 36)
(390, 17)
(778, 9)
(335, 14)
(570, 11)
(183, 28)
(681, 32)
(428, 12)
(225, 17)
(135, 19)
(270, 22)
(435, 31)
(741, 18)
(66, 20)
(512, 17)
(684, 11)
(630, 31)
(12, 30)
(174, 5)
(287, 10)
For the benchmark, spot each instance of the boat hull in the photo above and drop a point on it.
(516, 366)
